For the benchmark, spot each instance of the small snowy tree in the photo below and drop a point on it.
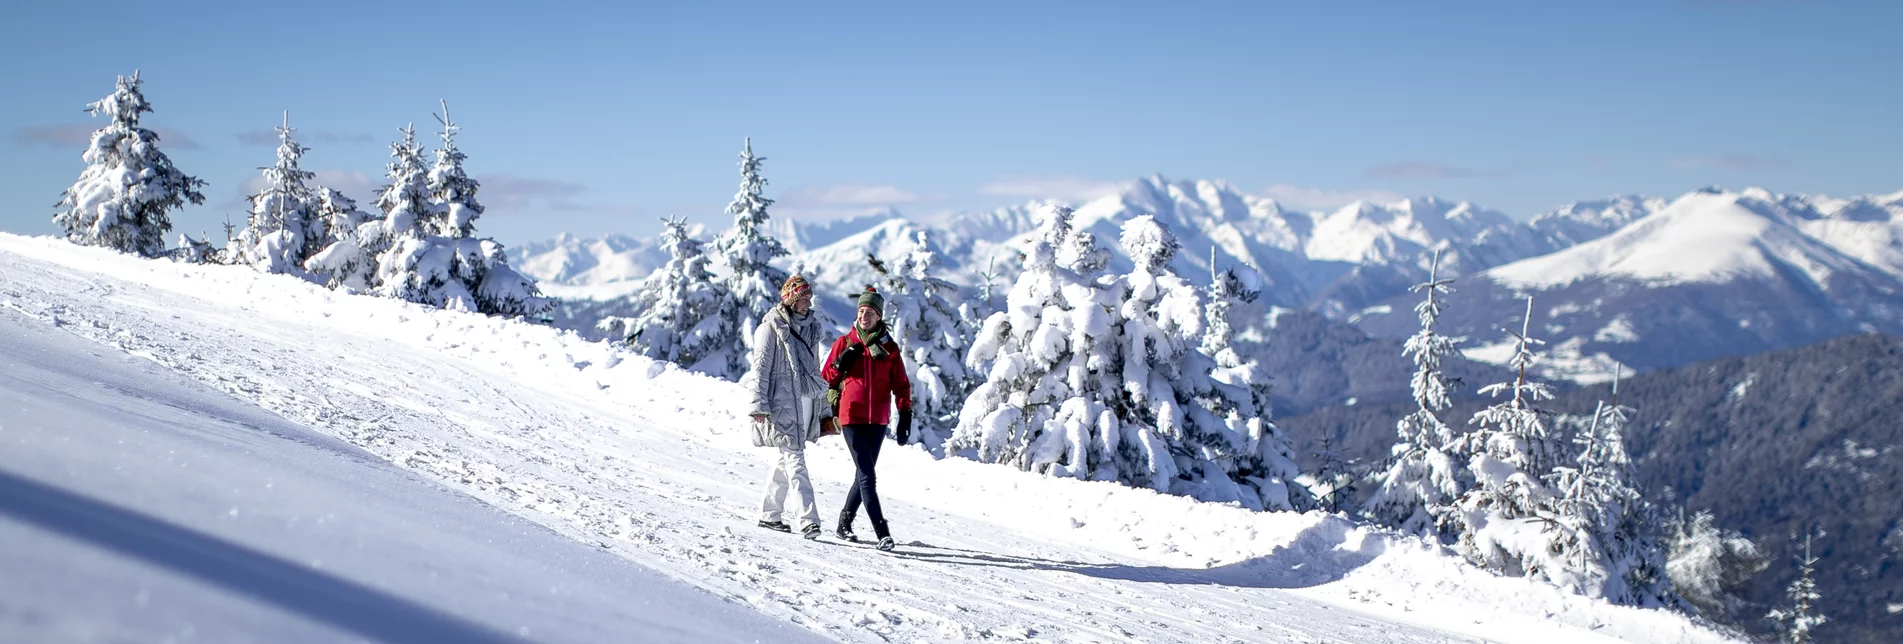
(1710, 566)
(451, 190)
(1047, 360)
(1417, 491)
(1223, 447)
(1801, 620)
(196, 251)
(416, 263)
(746, 250)
(1502, 527)
(932, 335)
(278, 235)
(122, 199)
(335, 260)
(1273, 461)
(363, 260)
(1614, 546)
(679, 305)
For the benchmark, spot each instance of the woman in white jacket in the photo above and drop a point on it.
(788, 401)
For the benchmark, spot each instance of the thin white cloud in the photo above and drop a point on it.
(1307, 198)
(1070, 188)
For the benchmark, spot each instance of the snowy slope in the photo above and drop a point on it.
(137, 504)
(649, 462)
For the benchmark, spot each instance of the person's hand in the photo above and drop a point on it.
(849, 357)
(828, 427)
(760, 417)
(904, 432)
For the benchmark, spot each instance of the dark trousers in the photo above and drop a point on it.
(864, 442)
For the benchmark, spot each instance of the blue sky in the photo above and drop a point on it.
(599, 118)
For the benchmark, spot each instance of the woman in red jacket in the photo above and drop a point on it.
(866, 368)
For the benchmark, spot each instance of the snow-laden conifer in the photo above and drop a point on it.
(745, 251)
(1617, 548)
(1502, 527)
(1417, 491)
(416, 263)
(679, 306)
(197, 250)
(1801, 619)
(451, 190)
(932, 334)
(123, 197)
(1220, 445)
(278, 236)
(1710, 566)
(1047, 361)
(363, 260)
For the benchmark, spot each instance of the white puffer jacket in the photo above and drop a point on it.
(784, 373)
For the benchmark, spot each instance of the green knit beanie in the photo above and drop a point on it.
(873, 299)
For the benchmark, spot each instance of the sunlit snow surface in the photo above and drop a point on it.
(651, 463)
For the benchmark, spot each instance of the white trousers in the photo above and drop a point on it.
(789, 475)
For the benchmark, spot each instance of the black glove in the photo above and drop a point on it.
(904, 432)
(848, 357)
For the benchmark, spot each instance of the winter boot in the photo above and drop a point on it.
(844, 531)
(886, 544)
(776, 525)
(811, 531)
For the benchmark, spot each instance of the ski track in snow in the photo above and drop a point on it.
(652, 463)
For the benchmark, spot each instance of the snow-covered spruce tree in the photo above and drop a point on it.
(933, 337)
(1601, 494)
(1049, 363)
(1801, 620)
(361, 261)
(335, 225)
(122, 198)
(451, 190)
(197, 251)
(1417, 491)
(1710, 566)
(752, 283)
(1226, 290)
(464, 273)
(1502, 527)
(679, 305)
(277, 237)
(1222, 447)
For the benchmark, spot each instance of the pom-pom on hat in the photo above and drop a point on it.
(793, 286)
(873, 299)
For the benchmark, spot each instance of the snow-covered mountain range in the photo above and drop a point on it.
(1651, 276)
(1712, 274)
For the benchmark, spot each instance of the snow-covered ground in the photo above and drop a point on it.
(138, 505)
(651, 463)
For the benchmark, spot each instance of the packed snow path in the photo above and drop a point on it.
(137, 505)
(651, 463)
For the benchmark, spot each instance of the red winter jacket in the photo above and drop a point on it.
(871, 383)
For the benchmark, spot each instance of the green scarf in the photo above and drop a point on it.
(874, 340)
